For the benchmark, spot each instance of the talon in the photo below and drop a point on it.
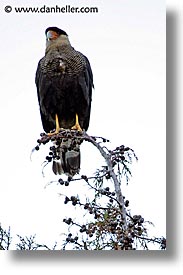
(77, 126)
(57, 130)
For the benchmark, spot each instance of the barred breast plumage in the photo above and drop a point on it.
(61, 60)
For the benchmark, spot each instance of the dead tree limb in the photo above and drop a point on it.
(107, 157)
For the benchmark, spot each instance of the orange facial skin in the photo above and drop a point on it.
(51, 35)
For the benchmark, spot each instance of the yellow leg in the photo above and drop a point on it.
(57, 126)
(77, 126)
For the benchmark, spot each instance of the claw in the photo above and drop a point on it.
(77, 126)
(57, 130)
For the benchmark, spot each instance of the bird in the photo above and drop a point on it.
(64, 82)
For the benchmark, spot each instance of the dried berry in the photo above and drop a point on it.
(127, 203)
(61, 181)
(86, 205)
(107, 176)
(83, 228)
(67, 221)
(84, 177)
(37, 148)
(141, 220)
(69, 178)
(66, 183)
(122, 158)
(48, 158)
(66, 200)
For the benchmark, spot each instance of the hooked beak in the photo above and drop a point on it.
(51, 35)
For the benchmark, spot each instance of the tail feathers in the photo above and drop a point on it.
(69, 162)
(72, 162)
(57, 168)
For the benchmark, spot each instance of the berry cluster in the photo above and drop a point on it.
(75, 136)
(73, 199)
(64, 140)
(118, 155)
(107, 221)
(135, 226)
(107, 228)
(70, 239)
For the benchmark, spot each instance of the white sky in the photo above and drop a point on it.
(125, 43)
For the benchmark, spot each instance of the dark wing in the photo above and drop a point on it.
(43, 84)
(85, 81)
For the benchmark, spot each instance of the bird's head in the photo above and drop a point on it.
(54, 34)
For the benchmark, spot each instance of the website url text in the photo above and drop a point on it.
(47, 9)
